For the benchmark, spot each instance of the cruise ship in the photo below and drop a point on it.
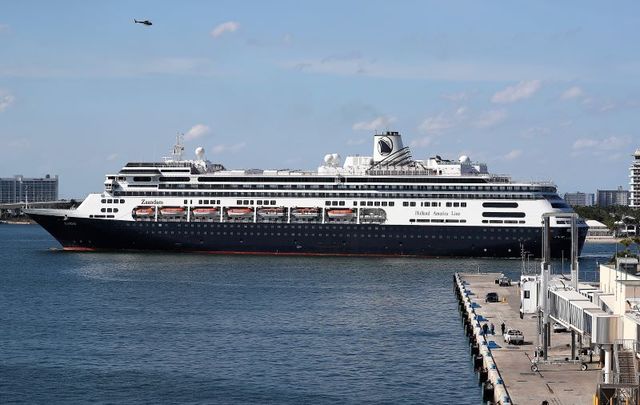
(388, 204)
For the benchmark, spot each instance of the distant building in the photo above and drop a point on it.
(20, 189)
(607, 198)
(597, 230)
(579, 199)
(634, 181)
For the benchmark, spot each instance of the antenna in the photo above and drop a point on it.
(178, 148)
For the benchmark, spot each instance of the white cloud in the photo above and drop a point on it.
(229, 26)
(598, 145)
(352, 142)
(490, 118)
(456, 97)
(437, 124)
(520, 91)
(217, 149)
(572, 92)
(6, 99)
(421, 142)
(196, 131)
(455, 70)
(514, 154)
(381, 122)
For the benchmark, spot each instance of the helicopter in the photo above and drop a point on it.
(145, 22)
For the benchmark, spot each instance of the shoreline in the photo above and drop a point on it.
(603, 240)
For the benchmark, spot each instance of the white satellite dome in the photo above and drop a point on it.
(200, 153)
(464, 159)
(328, 158)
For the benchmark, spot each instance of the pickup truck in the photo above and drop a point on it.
(514, 336)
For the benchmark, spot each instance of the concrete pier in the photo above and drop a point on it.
(508, 367)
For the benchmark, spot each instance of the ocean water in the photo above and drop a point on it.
(196, 328)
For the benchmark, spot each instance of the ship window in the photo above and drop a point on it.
(412, 203)
(503, 214)
(109, 201)
(384, 203)
(185, 201)
(448, 204)
(405, 204)
(500, 204)
(463, 204)
(455, 204)
(391, 204)
(142, 178)
(115, 210)
(103, 201)
(245, 202)
(259, 202)
(103, 210)
(377, 203)
(341, 203)
(273, 202)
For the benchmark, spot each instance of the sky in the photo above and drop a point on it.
(541, 90)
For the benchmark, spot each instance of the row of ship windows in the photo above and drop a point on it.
(108, 210)
(112, 201)
(312, 227)
(335, 195)
(449, 221)
(434, 204)
(502, 221)
(341, 186)
(348, 235)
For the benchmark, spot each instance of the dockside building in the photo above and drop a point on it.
(634, 181)
(19, 189)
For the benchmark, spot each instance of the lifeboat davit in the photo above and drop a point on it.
(204, 211)
(305, 212)
(144, 211)
(239, 212)
(273, 212)
(172, 210)
(340, 213)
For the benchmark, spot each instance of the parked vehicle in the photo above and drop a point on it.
(514, 336)
(504, 282)
(492, 297)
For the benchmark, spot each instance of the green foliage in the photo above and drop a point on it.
(608, 215)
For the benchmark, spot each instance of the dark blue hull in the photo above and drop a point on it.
(300, 239)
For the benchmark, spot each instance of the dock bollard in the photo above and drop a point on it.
(487, 391)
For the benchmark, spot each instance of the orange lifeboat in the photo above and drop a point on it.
(172, 211)
(204, 211)
(144, 211)
(343, 213)
(239, 212)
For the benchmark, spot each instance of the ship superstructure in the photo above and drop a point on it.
(385, 204)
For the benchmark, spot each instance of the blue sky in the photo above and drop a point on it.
(540, 90)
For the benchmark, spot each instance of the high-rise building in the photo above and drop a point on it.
(579, 199)
(23, 189)
(607, 198)
(634, 181)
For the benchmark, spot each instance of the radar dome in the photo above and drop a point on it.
(328, 158)
(200, 153)
(464, 159)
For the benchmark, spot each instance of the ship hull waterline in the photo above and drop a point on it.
(84, 234)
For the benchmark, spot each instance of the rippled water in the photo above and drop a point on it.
(109, 327)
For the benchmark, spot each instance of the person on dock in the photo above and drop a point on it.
(503, 327)
(493, 329)
(485, 329)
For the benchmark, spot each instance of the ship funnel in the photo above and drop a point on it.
(386, 145)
